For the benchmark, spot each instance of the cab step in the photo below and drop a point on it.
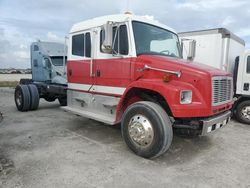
(91, 114)
(113, 103)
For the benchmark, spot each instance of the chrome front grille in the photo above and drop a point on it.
(222, 90)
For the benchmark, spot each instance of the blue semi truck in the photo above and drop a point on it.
(49, 79)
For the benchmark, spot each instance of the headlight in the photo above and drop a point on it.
(186, 97)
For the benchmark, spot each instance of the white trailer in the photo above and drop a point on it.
(224, 50)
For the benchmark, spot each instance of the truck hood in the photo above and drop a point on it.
(176, 64)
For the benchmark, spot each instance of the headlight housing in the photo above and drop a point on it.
(186, 97)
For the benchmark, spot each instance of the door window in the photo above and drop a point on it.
(120, 39)
(35, 62)
(78, 45)
(81, 45)
(47, 63)
(87, 45)
(123, 40)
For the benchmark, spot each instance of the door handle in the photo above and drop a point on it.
(246, 87)
(98, 73)
(69, 72)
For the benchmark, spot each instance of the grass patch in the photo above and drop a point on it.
(8, 83)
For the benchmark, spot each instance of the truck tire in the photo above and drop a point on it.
(62, 101)
(34, 97)
(147, 129)
(242, 112)
(22, 97)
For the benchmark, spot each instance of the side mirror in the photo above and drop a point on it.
(46, 63)
(191, 49)
(181, 47)
(107, 43)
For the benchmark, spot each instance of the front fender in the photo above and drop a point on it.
(170, 91)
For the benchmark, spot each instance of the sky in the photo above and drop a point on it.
(25, 21)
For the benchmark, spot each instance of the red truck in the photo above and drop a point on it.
(128, 69)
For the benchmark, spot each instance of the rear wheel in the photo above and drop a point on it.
(146, 129)
(243, 112)
(22, 97)
(34, 97)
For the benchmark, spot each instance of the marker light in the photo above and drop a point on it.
(167, 78)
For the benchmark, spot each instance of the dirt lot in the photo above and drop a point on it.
(52, 148)
(13, 77)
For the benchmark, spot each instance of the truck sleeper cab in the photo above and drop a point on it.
(127, 69)
(48, 76)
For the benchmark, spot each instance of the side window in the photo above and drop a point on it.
(35, 63)
(81, 45)
(102, 37)
(123, 40)
(47, 63)
(87, 45)
(78, 45)
(120, 39)
(248, 64)
(115, 39)
(36, 48)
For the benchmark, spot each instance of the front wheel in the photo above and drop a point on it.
(242, 112)
(147, 129)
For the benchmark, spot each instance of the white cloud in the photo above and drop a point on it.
(150, 17)
(244, 32)
(21, 54)
(19, 30)
(53, 37)
(202, 5)
(192, 6)
(228, 21)
(23, 46)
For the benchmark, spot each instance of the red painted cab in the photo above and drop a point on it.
(128, 69)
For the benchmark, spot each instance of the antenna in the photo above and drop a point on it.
(127, 5)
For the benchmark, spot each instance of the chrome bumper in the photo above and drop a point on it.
(214, 123)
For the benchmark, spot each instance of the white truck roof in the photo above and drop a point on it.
(225, 34)
(99, 21)
(51, 48)
(215, 47)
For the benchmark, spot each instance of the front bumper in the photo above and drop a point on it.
(214, 123)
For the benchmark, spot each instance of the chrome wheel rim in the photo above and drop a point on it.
(140, 131)
(18, 98)
(246, 112)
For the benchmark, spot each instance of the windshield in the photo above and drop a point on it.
(58, 60)
(150, 39)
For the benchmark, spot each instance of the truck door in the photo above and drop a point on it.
(112, 71)
(40, 64)
(78, 66)
(243, 81)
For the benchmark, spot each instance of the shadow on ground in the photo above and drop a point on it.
(181, 150)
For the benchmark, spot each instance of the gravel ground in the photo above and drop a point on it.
(52, 148)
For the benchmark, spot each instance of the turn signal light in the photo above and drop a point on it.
(167, 78)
